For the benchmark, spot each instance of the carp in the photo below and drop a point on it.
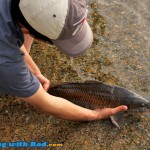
(96, 94)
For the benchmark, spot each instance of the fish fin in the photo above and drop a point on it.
(117, 119)
(98, 82)
(93, 81)
(61, 84)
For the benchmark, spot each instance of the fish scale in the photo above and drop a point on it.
(87, 95)
(96, 94)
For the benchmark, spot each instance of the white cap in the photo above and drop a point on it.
(62, 21)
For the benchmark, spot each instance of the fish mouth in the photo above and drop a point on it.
(137, 103)
(148, 105)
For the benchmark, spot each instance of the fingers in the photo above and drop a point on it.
(118, 109)
(107, 112)
(44, 81)
(46, 86)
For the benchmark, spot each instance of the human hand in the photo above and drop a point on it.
(44, 81)
(107, 112)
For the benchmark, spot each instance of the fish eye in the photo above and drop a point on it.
(142, 104)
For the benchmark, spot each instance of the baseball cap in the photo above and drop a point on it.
(62, 21)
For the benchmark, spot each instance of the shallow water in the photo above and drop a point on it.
(125, 42)
(120, 55)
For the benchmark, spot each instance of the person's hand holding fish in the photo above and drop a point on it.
(107, 112)
(87, 101)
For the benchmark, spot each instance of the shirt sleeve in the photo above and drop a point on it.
(17, 80)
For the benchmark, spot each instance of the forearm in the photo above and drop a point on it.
(64, 109)
(35, 70)
(30, 63)
(28, 40)
(59, 107)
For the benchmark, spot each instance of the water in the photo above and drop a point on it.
(121, 49)
(125, 41)
(120, 55)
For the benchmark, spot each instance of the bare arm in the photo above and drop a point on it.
(64, 109)
(31, 64)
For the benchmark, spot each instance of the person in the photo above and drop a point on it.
(59, 22)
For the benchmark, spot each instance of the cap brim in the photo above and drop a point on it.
(78, 43)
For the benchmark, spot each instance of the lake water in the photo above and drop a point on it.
(121, 47)
(120, 55)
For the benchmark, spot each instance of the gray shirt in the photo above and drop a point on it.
(15, 77)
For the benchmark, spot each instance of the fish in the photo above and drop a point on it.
(96, 94)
